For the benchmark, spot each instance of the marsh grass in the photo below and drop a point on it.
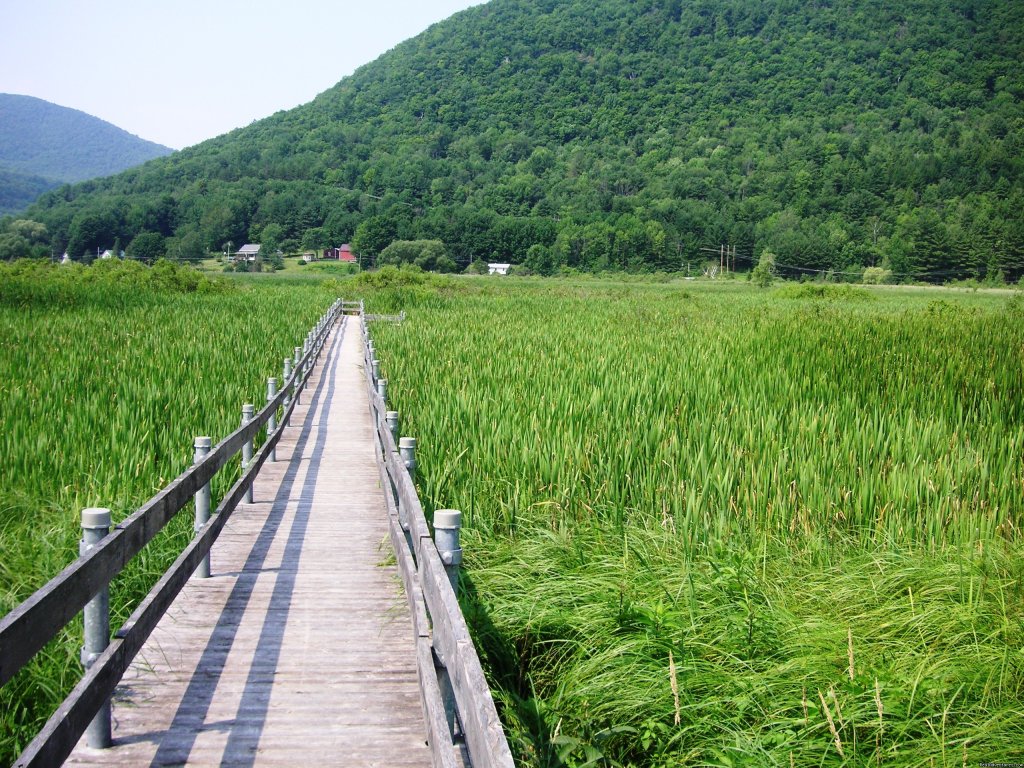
(804, 509)
(106, 377)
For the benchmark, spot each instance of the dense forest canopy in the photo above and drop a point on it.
(628, 134)
(43, 145)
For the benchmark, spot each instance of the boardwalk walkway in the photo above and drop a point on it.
(298, 650)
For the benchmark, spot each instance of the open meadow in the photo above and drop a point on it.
(709, 524)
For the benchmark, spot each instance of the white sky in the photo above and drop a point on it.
(178, 72)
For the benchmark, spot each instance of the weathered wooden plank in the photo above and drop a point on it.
(404, 560)
(441, 748)
(484, 734)
(449, 628)
(408, 501)
(407, 569)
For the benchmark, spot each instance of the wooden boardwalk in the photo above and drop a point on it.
(298, 650)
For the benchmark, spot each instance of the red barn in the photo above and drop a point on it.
(344, 253)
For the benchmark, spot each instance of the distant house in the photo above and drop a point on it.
(65, 259)
(108, 254)
(344, 253)
(308, 257)
(498, 269)
(247, 252)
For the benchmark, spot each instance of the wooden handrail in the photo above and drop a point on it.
(439, 628)
(26, 629)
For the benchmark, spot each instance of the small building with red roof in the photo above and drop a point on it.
(344, 253)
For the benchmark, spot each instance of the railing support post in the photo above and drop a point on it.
(284, 383)
(202, 498)
(248, 410)
(392, 419)
(382, 390)
(272, 422)
(96, 615)
(375, 366)
(298, 375)
(447, 523)
(407, 450)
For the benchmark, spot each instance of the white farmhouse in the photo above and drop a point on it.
(498, 269)
(248, 252)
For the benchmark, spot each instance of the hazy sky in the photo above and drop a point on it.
(180, 71)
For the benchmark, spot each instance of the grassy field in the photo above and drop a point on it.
(714, 525)
(106, 376)
(293, 267)
(706, 524)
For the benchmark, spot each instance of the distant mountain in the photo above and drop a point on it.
(628, 134)
(43, 145)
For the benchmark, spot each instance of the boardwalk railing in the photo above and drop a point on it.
(398, 319)
(457, 703)
(26, 629)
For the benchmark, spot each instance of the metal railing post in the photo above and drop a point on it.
(392, 419)
(202, 498)
(96, 616)
(407, 453)
(447, 523)
(272, 422)
(248, 410)
(407, 450)
(288, 396)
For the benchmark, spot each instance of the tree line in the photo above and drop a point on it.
(563, 134)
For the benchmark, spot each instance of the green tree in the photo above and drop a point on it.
(373, 235)
(13, 246)
(147, 247)
(270, 239)
(428, 255)
(89, 231)
(33, 231)
(764, 272)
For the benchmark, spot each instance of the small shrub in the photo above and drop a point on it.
(877, 276)
(764, 273)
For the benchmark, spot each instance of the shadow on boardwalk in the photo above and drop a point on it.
(299, 648)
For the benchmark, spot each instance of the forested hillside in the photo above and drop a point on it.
(43, 145)
(629, 134)
(18, 190)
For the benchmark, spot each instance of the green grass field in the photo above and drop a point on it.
(715, 525)
(706, 524)
(106, 376)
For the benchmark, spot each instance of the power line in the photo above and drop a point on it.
(816, 271)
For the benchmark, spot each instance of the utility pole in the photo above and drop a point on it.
(723, 259)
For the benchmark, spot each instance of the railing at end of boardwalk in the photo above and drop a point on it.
(457, 702)
(104, 553)
(397, 319)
